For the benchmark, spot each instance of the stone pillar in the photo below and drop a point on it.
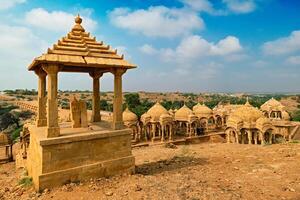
(262, 138)
(237, 137)
(41, 114)
(249, 136)
(96, 117)
(163, 129)
(228, 134)
(117, 107)
(153, 132)
(52, 109)
(171, 132)
(255, 137)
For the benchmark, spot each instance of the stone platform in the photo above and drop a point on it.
(78, 154)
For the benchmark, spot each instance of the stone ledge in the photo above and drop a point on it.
(83, 137)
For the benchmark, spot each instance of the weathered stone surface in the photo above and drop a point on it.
(56, 161)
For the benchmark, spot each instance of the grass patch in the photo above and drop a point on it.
(25, 181)
(295, 141)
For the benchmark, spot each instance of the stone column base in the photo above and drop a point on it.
(53, 132)
(96, 118)
(77, 157)
(41, 122)
(118, 125)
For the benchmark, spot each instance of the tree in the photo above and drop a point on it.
(132, 100)
(8, 119)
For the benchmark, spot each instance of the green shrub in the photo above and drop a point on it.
(16, 134)
(25, 181)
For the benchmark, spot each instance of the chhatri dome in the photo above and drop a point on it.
(272, 104)
(129, 116)
(183, 113)
(246, 113)
(202, 110)
(156, 111)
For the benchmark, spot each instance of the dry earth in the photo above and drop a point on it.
(200, 171)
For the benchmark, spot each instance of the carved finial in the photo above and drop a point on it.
(78, 19)
(77, 26)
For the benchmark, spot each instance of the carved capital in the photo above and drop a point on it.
(118, 72)
(40, 73)
(51, 69)
(96, 74)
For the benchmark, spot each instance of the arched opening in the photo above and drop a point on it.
(219, 121)
(267, 136)
(203, 123)
(231, 135)
(244, 136)
(279, 114)
(273, 114)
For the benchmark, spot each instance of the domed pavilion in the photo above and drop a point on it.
(102, 148)
(205, 115)
(186, 119)
(157, 123)
(248, 125)
(131, 121)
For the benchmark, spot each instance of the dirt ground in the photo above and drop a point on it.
(200, 171)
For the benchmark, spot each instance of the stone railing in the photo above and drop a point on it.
(26, 106)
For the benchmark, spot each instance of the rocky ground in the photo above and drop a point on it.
(201, 171)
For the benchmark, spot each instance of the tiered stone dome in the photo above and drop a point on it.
(79, 51)
(183, 113)
(156, 111)
(129, 116)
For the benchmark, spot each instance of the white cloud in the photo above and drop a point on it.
(157, 21)
(293, 60)
(148, 49)
(58, 21)
(283, 45)
(19, 41)
(240, 6)
(21, 47)
(200, 5)
(203, 6)
(7, 4)
(194, 47)
(226, 46)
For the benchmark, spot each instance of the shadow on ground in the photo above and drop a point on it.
(177, 162)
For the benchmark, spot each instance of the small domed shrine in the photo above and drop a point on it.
(131, 121)
(187, 120)
(157, 123)
(98, 149)
(248, 125)
(205, 115)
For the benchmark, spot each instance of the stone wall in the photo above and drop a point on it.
(56, 161)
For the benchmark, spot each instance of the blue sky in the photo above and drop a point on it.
(178, 45)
